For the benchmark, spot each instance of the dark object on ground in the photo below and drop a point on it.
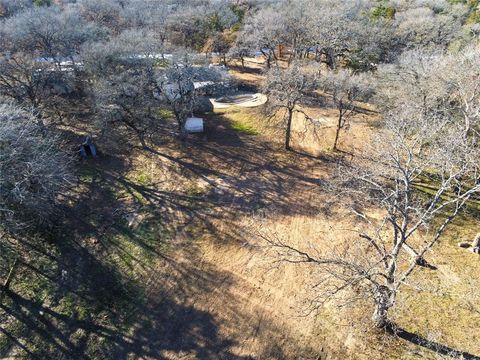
(476, 244)
(88, 148)
(424, 263)
(474, 247)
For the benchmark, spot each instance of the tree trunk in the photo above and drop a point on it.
(293, 54)
(330, 58)
(9, 279)
(183, 133)
(339, 127)
(383, 303)
(140, 134)
(141, 137)
(288, 130)
(419, 260)
(243, 64)
(39, 116)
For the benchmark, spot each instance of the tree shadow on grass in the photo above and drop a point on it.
(166, 327)
(109, 315)
(434, 346)
(121, 320)
(124, 317)
(248, 172)
(114, 316)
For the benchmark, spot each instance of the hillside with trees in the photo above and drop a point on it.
(239, 179)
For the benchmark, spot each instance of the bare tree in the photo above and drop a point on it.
(23, 79)
(48, 32)
(122, 73)
(421, 172)
(345, 90)
(459, 74)
(220, 43)
(438, 83)
(105, 13)
(286, 88)
(264, 32)
(178, 90)
(34, 169)
(33, 172)
(298, 22)
(35, 47)
(10, 7)
(336, 30)
(191, 26)
(240, 50)
(176, 86)
(424, 28)
(127, 99)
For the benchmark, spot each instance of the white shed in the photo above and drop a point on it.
(194, 125)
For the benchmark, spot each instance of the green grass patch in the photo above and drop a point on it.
(375, 124)
(430, 189)
(143, 178)
(137, 245)
(244, 120)
(166, 113)
(195, 196)
(243, 128)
